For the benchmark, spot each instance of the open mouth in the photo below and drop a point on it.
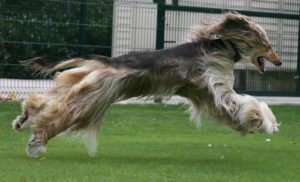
(261, 64)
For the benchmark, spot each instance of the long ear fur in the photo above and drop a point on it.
(232, 26)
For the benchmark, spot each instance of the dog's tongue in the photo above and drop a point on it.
(261, 63)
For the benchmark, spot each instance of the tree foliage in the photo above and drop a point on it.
(52, 29)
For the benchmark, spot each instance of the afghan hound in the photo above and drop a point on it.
(200, 70)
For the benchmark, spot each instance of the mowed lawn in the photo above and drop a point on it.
(156, 143)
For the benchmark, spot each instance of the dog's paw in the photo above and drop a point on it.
(254, 121)
(35, 150)
(251, 120)
(22, 122)
(17, 123)
(35, 147)
(261, 120)
(269, 124)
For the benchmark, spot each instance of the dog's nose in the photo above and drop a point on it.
(279, 63)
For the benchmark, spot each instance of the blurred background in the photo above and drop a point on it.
(61, 29)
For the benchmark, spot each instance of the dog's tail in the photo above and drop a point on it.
(40, 65)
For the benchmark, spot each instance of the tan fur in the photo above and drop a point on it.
(83, 92)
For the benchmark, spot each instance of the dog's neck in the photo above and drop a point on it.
(230, 46)
(232, 49)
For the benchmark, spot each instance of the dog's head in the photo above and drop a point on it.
(249, 38)
(30, 108)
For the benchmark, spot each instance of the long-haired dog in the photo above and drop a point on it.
(200, 70)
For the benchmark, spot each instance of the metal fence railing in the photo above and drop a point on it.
(59, 29)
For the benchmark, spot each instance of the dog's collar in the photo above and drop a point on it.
(232, 49)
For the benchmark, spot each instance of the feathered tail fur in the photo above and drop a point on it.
(40, 66)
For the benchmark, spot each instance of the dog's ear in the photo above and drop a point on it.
(233, 26)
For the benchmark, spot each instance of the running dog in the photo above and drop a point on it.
(200, 70)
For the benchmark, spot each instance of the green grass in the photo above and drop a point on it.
(156, 143)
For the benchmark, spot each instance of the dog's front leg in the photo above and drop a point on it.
(47, 125)
(249, 118)
(244, 113)
(43, 131)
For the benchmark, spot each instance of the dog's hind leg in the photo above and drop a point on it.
(35, 146)
(42, 133)
(48, 124)
(31, 107)
(52, 123)
(87, 82)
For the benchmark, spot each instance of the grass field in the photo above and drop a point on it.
(156, 143)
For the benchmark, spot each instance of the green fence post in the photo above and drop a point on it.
(298, 61)
(175, 2)
(82, 21)
(160, 24)
(160, 31)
